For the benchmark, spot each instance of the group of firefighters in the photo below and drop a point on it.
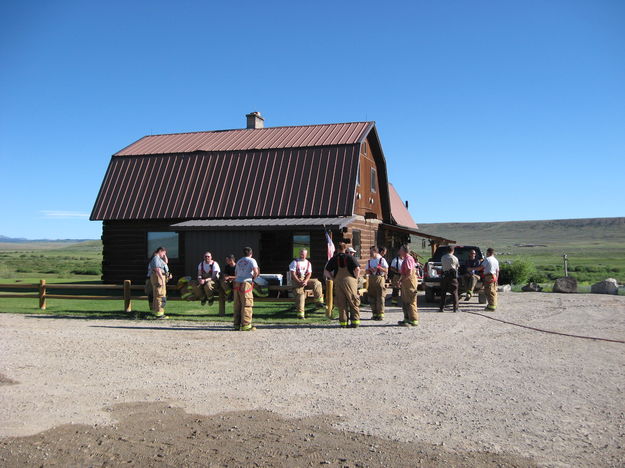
(238, 278)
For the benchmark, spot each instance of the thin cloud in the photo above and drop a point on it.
(55, 214)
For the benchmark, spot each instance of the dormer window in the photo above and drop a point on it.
(374, 179)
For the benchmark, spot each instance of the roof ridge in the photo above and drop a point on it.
(265, 128)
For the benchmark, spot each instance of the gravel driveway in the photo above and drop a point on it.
(461, 382)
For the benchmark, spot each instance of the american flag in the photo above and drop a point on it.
(330, 246)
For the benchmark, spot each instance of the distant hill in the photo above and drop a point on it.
(65, 244)
(526, 233)
(22, 240)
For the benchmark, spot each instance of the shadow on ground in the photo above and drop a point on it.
(149, 434)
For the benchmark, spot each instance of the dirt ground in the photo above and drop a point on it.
(459, 390)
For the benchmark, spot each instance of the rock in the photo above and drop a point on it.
(567, 284)
(504, 288)
(607, 286)
(532, 287)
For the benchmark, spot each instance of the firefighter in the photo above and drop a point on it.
(344, 270)
(377, 268)
(408, 283)
(207, 274)
(395, 276)
(301, 271)
(159, 275)
(449, 281)
(467, 274)
(227, 276)
(246, 271)
(490, 266)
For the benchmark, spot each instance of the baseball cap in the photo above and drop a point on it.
(351, 250)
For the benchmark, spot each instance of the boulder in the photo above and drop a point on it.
(607, 286)
(504, 288)
(566, 284)
(532, 287)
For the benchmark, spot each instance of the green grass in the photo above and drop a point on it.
(264, 312)
(51, 260)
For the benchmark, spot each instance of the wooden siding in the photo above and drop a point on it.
(124, 251)
(368, 237)
(364, 205)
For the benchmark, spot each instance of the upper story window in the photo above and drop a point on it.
(374, 180)
(358, 175)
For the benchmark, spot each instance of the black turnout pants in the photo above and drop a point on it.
(449, 284)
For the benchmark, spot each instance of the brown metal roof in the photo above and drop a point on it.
(400, 213)
(269, 224)
(275, 183)
(251, 139)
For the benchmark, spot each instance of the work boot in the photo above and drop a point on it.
(211, 300)
(203, 302)
(489, 309)
(343, 324)
(161, 317)
(413, 323)
(355, 324)
(248, 328)
(468, 296)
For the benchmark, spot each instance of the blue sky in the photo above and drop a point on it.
(518, 107)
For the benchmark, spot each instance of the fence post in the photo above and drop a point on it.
(42, 294)
(127, 303)
(222, 302)
(329, 298)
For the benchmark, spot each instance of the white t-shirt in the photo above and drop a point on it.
(301, 267)
(396, 263)
(243, 270)
(491, 266)
(373, 264)
(208, 268)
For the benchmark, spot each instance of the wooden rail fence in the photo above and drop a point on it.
(127, 288)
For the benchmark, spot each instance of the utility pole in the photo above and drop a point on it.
(566, 264)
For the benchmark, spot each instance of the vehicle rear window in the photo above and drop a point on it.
(462, 252)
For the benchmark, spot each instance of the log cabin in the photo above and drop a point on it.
(275, 189)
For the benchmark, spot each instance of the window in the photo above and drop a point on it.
(356, 243)
(358, 175)
(169, 240)
(301, 240)
(374, 180)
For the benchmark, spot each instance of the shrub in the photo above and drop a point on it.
(85, 272)
(538, 277)
(519, 272)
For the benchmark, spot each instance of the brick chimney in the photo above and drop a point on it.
(255, 120)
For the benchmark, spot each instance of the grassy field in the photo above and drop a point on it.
(264, 312)
(595, 247)
(80, 263)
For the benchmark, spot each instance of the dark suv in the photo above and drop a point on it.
(433, 271)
